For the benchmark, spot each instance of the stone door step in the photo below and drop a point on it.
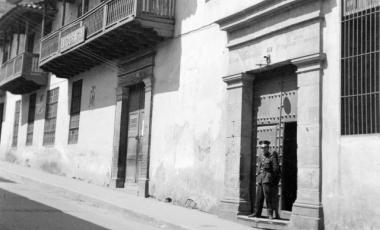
(262, 223)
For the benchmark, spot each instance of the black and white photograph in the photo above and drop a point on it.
(190, 114)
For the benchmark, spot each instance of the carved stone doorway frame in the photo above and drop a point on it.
(132, 71)
(307, 209)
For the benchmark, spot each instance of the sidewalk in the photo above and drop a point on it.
(175, 217)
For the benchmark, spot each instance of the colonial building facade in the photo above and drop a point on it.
(169, 99)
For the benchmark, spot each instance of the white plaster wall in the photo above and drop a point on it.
(196, 14)
(7, 128)
(188, 131)
(92, 156)
(351, 164)
(89, 159)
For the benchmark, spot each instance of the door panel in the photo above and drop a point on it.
(135, 126)
(275, 104)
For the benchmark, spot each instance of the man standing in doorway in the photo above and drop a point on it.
(267, 173)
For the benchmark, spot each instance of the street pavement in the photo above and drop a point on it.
(32, 206)
(103, 207)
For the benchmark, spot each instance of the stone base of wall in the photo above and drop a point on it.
(116, 183)
(305, 217)
(229, 209)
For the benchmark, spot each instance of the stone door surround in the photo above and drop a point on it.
(132, 71)
(307, 209)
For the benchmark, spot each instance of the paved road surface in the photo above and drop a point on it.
(30, 206)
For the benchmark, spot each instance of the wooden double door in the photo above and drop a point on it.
(136, 102)
(275, 120)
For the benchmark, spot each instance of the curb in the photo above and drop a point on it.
(99, 203)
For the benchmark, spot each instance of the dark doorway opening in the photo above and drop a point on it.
(275, 120)
(289, 168)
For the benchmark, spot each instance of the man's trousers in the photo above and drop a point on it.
(264, 191)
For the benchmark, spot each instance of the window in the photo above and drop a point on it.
(30, 45)
(16, 123)
(7, 47)
(83, 7)
(50, 116)
(76, 95)
(48, 26)
(360, 76)
(31, 116)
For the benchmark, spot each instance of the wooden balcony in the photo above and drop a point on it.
(22, 74)
(113, 29)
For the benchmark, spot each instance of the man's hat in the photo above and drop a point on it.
(264, 143)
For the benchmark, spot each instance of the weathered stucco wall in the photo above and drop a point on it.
(188, 131)
(188, 134)
(351, 164)
(89, 159)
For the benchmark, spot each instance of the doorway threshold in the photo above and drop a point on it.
(264, 223)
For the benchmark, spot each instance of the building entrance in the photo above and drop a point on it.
(135, 132)
(275, 120)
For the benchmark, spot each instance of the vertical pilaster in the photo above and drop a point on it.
(307, 209)
(120, 137)
(236, 199)
(144, 167)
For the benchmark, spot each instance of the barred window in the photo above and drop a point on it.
(360, 76)
(50, 116)
(31, 116)
(16, 123)
(76, 95)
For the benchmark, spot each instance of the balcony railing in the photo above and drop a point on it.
(100, 19)
(24, 63)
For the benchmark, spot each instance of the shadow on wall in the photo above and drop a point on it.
(39, 112)
(98, 89)
(169, 58)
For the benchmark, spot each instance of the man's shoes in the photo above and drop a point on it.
(254, 215)
(270, 214)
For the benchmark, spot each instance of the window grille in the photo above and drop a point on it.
(16, 123)
(360, 76)
(76, 95)
(31, 116)
(50, 116)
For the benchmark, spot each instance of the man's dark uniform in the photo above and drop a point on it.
(267, 174)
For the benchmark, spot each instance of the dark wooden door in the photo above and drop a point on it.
(135, 132)
(275, 105)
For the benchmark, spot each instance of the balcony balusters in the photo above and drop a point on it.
(104, 16)
(23, 63)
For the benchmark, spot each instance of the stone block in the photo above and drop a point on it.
(245, 146)
(308, 136)
(308, 178)
(309, 196)
(306, 79)
(245, 164)
(307, 209)
(307, 155)
(234, 128)
(300, 222)
(232, 192)
(235, 97)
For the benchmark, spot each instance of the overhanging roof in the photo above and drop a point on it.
(12, 14)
